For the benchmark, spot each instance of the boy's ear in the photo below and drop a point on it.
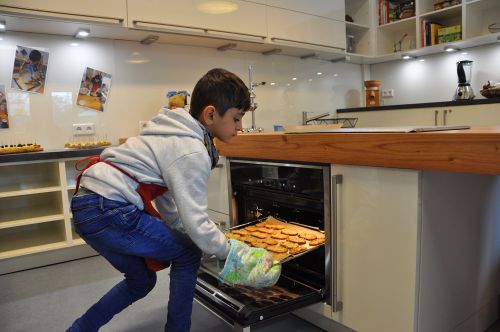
(207, 115)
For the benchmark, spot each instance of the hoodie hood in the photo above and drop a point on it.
(176, 122)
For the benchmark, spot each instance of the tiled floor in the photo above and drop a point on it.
(48, 299)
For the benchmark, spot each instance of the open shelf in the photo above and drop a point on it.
(30, 207)
(29, 191)
(359, 10)
(397, 25)
(391, 33)
(25, 177)
(71, 172)
(479, 15)
(32, 238)
(444, 13)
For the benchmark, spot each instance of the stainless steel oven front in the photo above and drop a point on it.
(298, 193)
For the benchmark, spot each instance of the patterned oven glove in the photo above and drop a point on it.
(249, 266)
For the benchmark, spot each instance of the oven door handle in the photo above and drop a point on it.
(335, 301)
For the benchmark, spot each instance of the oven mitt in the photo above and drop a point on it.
(249, 266)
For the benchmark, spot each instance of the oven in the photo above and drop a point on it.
(302, 194)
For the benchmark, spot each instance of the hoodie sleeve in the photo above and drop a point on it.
(187, 179)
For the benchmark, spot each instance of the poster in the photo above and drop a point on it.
(94, 89)
(4, 114)
(30, 69)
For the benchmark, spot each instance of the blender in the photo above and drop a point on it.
(464, 72)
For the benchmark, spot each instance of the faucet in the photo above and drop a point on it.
(253, 103)
(306, 120)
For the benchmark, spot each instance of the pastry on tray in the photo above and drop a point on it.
(20, 148)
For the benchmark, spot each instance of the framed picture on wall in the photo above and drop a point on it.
(4, 114)
(30, 69)
(94, 89)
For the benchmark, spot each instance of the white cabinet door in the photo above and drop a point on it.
(110, 9)
(197, 16)
(333, 9)
(404, 117)
(289, 26)
(377, 247)
(477, 115)
(218, 191)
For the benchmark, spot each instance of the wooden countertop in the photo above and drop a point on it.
(476, 150)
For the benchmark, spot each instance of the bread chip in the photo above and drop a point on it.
(259, 235)
(307, 236)
(264, 230)
(278, 227)
(251, 228)
(316, 242)
(279, 256)
(277, 249)
(279, 236)
(271, 241)
(241, 232)
(260, 245)
(289, 245)
(296, 239)
(297, 250)
(261, 224)
(250, 240)
(233, 236)
(289, 232)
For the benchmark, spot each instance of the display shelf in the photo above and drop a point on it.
(31, 238)
(359, 10)
(17, 177)
(29, 191)
(389, 34)
(397, 25)
(30, 221)
(443, 14)
(30, 206)
(479, 15)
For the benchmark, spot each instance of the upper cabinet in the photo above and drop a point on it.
(287, 26)
(230, 19)
(332, 9)
(109, 11)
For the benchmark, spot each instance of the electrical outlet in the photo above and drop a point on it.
(387, 93)
(80, 129)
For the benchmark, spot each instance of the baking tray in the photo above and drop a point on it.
(299, 228)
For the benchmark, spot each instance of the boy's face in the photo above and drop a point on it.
(223, 127)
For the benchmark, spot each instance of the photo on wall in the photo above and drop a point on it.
(4, 114)
(30, 69)
(94, 89)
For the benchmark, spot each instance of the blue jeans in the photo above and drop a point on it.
(123, 235)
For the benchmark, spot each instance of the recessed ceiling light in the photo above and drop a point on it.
(272, 83)
(82, 34)
(408, 57)
(3, 26)
(464, 53)
(319, 73)
(451, 49)
(294, 78)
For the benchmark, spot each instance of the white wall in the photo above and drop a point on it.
(143, 74)
(435, 79)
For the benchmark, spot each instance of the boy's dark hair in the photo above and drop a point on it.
(221, 89)
(35, 55)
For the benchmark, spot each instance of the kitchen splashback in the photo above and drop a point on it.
(142, 75)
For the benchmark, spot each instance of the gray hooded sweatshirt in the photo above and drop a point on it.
(169, 151)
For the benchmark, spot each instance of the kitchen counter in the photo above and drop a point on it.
(476, 150)
(48, 154)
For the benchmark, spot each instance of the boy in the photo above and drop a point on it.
(169, 161)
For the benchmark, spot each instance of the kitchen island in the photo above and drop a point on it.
(418, 224)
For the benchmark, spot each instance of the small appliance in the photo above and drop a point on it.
(464, 72)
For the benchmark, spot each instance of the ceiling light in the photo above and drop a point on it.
(226, 47)
(319, 73)
(408, 57)
(464, 53)
(82, 34)
(421, 60)
(335, 75)
(149, 40)
(310, 80)
(288, 84)
(451, 49)
(272, 83)
(3, 26)
(294, 78)
(273, 51)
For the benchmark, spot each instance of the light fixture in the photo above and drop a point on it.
(3, 26)
(82, 34)
(150, 39)
(408, 57)
(421, 60)
(307, 56)
(217, 7)
(226, 47)
(335, 75)
(272, 83)
(464, 53)
(273, 51)
(74, 44)
(294, 78)
(451, 49)
(310, 80)
(319, 73)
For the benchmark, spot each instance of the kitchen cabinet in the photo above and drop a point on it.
(473, 115)
(416, 251)
(35, 216)
(332, 9)
(110, 11)
(234, 20)
(286, 27)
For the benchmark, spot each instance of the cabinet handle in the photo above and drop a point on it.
(334, 245)
(444, 117)
(299, 43)
(436, 112)
(169, 27)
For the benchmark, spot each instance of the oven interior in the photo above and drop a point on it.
(296, 194)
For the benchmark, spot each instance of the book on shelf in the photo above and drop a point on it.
(395, 10)
(429, 33)
(449, 34)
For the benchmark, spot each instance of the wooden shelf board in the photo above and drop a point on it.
(444, 13)
(396, 23)
(33, 250)
(484, 4)
(355, 27)
(33, 191)
(31, 213)
(31, 221)
(79, 242)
